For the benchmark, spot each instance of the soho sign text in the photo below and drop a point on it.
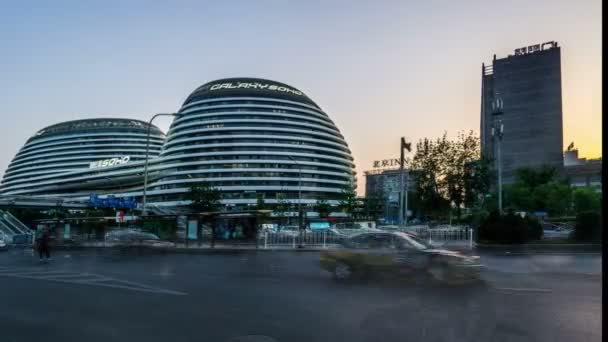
(109, 162)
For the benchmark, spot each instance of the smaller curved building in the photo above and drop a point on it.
(78, 157)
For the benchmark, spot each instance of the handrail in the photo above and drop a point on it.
(7, 229)
(22, 228)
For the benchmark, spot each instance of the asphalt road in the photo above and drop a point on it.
(284, 296)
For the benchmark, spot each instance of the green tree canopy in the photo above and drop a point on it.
(586, 199)
(204, 198)
(446, 173)
(348, 199)
(372, 207)
(538, 189)
(323, 208)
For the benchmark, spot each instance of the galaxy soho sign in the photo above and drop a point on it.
(255, 85)
(109, 162)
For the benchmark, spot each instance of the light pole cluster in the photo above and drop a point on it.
(497, 133)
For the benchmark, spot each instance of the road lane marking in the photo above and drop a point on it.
(83, 279)
(14, 273)
(521, 289)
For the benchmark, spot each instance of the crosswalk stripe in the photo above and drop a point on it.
(83, 279)
(33, 273)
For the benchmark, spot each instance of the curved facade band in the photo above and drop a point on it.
(248, 137)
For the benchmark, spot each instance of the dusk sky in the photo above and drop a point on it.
(380, 69)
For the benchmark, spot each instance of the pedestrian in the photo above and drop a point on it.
(43, 244)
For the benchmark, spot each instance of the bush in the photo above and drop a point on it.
(509, 229)
(535, 229)
(588, 227)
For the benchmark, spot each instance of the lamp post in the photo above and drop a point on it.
(402, 194)
(497, 133)
(143, 210)
(300, 223)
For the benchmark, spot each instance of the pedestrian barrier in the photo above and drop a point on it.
(307, 238)
(325, 239)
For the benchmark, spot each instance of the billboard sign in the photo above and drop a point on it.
(319, 225)
(112, 202)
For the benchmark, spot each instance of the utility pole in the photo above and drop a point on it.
(143, 210)
(300, 217)
(402, 194)
(497, 133)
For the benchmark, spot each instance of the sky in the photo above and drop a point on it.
(380, 69)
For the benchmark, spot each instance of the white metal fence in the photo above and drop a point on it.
(435, 236)
(317, 239)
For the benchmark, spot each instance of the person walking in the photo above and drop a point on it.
(43, 244)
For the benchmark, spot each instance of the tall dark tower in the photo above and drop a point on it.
(529, 84)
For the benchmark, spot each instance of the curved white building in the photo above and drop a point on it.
(252, 137)
(248, 137)
(80, 157)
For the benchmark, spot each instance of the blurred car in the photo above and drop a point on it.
(3, 245)
(558, 233)
(554, 231)
(135, 238)
(396, 255)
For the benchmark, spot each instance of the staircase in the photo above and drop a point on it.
(14, 231)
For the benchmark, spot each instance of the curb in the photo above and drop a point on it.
(201, 250)
(539, 248)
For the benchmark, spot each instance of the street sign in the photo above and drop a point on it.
(121, 217)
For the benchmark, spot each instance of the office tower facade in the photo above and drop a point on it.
(528, 83)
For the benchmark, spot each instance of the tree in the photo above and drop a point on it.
(261, 207)
(477, 181)
(348, 199)
(372, 207)
(457, 155)
(533, 177)
(556, 198)
(323, 208)
(205, 199)
(518, 197)
(444, 173)
(537, 189)
(282, 206)
(428, 165)
(586, 199)
(588, 226)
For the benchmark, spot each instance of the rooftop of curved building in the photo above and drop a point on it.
(248, 87)
(91, 125)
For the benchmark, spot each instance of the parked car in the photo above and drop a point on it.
(395, 255)
(3, 245)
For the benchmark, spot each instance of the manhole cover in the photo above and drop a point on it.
(252, 338)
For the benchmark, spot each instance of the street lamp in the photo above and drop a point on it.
(497, 133)
(299, 196)
(143, 210)
(402, 200)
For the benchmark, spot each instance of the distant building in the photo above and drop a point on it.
(384, 184)
(529, 85)
(582, 172)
